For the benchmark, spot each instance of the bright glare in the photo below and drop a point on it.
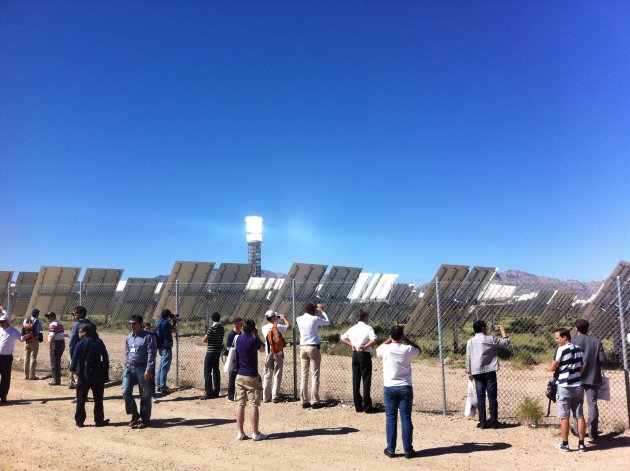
(253, 226)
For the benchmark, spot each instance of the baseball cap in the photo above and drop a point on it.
(269, 314)
(50, 314)
(35, 312)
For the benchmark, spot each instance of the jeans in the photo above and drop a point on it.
(82, 394)
(212, 374)
(398, 398)
(592, 424)
(56, 351)
(361, 370)
(166, 356)
(487, 382)
(131, 376)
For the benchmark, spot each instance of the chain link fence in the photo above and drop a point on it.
(437, 315)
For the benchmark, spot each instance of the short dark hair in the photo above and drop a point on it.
(249, 326)
(216, 317)
(478, 326)
(310, 308)
(362, 315)
(564, 333)
(137, 318)
(87, 328)
(80, 310)
(582, 326)
(166, 313)
(396, 332)
(237, 320)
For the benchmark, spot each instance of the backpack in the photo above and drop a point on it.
(275, 340)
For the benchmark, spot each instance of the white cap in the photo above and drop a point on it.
(269, 314)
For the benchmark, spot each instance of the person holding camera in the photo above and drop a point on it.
(164, 329)
(8, 337)
(310, 353)
(31, 334)
(248, 381)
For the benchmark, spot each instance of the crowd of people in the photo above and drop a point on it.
(576, 364)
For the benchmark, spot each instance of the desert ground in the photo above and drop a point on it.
(191, 434)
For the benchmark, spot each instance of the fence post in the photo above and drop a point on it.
(294, 339)
(80, 293)
(624, 348)
(177, 334)
(9, 300)
(439, 321)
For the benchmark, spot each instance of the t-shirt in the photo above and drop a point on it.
(55, 331)
(247, 348)
(396, 363)
(215, 338)
(265, 332)
(569, 358)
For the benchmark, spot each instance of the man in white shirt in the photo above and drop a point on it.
(310, 354)
(274, 358)
(8, 336)
(397, 352)
(361, 338)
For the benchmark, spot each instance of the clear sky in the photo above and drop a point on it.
(388, 135)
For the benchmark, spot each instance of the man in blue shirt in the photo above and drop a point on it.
(164, 329)
(248, 382)
(140, 361)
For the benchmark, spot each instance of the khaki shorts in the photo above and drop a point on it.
(248, 390)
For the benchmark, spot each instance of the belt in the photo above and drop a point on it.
(135, 365)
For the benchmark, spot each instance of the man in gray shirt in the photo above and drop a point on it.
(482, 364)
(594, 358)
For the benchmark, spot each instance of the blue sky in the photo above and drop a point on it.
(391, 136)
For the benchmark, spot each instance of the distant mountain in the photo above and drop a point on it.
(527, 283)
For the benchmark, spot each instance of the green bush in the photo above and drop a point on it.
(530, 411)
(523, 325)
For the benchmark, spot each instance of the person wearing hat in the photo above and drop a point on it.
(274, 359)
(31, 331)
(8, 336)
(57, 345)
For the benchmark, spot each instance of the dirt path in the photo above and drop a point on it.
(187, 433)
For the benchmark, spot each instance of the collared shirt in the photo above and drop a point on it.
(482, 353)
(55, 331)
(247, 347)
(359, 334)
(8, 337)
(308, 325)
(140, 350)
(396, 363)
(569, 358)
(164, 330)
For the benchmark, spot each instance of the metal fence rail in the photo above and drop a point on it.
(437, 315)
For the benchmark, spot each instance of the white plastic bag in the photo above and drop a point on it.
(471, 400)
(603, 392)
(230, 361)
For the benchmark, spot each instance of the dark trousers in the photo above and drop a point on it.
(487, 383)
(212, 374)
(82, 395)
(361, 371)
(56, 351)
(231, 385)
(5, 375)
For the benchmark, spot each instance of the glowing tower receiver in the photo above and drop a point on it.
(254, 227)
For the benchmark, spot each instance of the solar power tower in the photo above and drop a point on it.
(253, 226)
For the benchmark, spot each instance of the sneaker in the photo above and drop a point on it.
(140, 426)
(581, 448)
(388, 453)
(258, 436)
(230, 399)
(306, 405)
(561, 447)
(410, 454)
(241, 436)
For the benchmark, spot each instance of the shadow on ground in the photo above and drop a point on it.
(463, 448)
(312, 432)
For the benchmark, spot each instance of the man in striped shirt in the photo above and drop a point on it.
(211, 372)
(568, 365)
(57, 346)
